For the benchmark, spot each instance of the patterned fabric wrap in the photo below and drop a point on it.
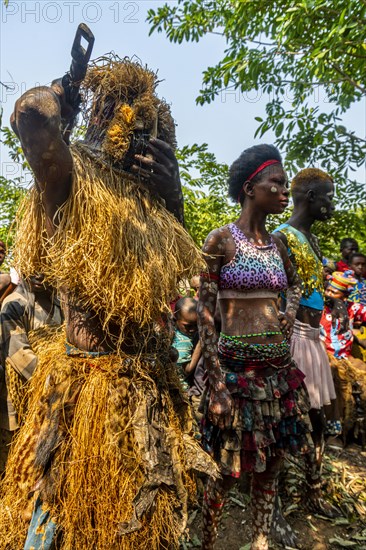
(269, 414)
(230, 348)
(253, 267)
(358, 294)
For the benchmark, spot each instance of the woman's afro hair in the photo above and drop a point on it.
(246, 164)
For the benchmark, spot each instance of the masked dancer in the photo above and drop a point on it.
(103, 459)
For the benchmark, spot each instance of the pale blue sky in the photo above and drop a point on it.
(36, 39)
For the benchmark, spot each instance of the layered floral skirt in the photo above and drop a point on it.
(270, 406)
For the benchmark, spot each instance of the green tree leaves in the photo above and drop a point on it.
(11, 190)
(307, 56)
(206, 204)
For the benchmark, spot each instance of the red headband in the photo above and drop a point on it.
(259, 169)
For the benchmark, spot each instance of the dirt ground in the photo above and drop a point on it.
(345, 486)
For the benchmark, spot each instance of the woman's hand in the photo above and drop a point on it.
(220, 406)
(287, 321)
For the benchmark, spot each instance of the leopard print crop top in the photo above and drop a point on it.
(253, 268)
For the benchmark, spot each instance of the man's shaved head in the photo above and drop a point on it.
(309, 178)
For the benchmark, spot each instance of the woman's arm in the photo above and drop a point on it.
(293, 293)
(220, 403)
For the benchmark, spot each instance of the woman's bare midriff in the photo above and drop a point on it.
(309, 316)
(251, 316)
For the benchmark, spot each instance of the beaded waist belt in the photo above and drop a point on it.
(232, 347)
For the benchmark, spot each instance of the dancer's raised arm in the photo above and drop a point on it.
(37, 120)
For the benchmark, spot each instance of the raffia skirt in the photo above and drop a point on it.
(269, 415)
(107, 448)
(310, 356)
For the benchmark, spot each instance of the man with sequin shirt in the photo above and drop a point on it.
(312, 193)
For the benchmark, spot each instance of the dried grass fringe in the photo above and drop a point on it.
(116, 248)
(90, 417)
(121, 95)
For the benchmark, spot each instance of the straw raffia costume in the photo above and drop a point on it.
(107, 445)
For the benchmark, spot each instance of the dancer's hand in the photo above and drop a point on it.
(220, 406)
(67, 111)
(159, 168)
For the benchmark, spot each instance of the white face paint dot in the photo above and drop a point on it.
(273, 189)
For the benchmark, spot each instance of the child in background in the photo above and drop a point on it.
(357, 263)
(347, 247)
(185, 339)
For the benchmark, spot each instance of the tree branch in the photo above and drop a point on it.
(347, 77)
(353, 137)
